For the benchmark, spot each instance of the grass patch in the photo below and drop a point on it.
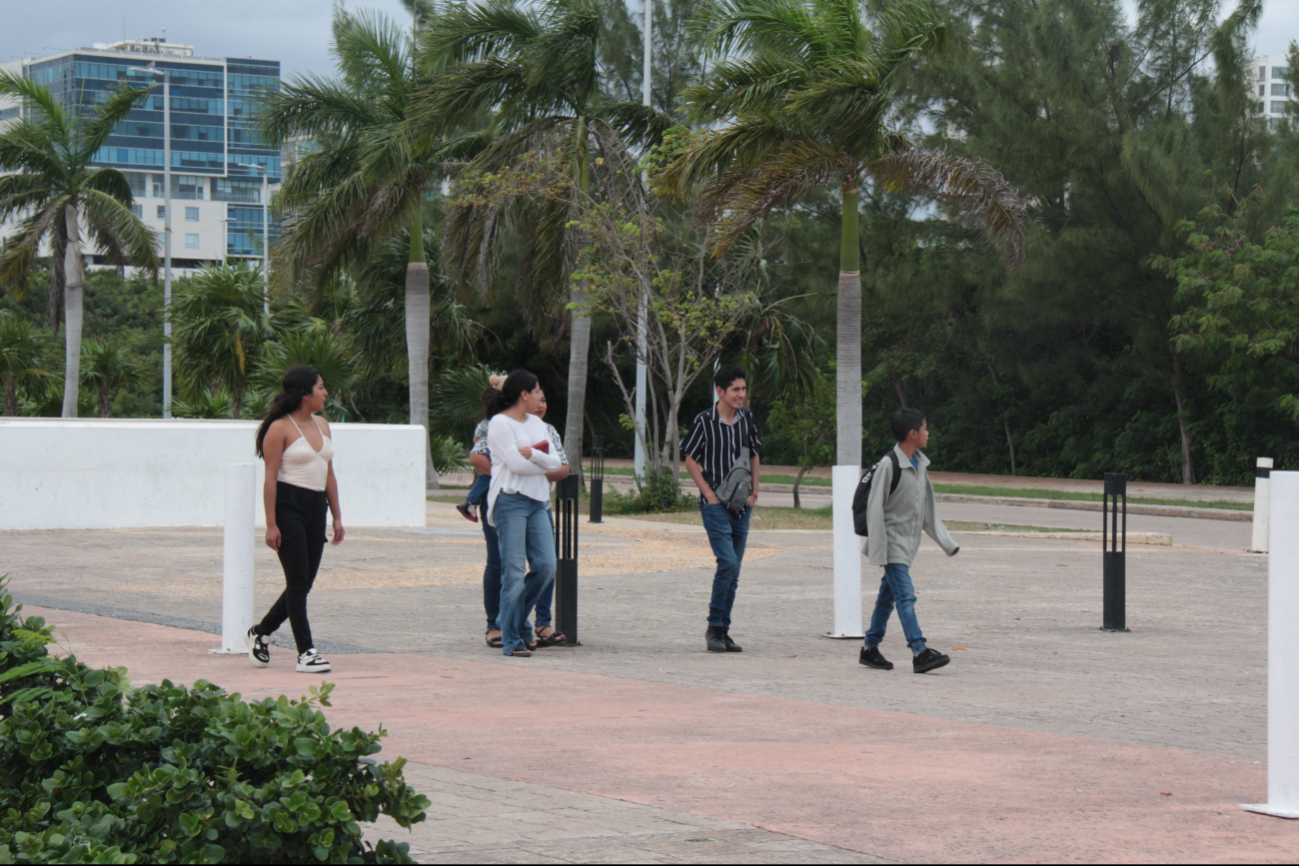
(1034, 493)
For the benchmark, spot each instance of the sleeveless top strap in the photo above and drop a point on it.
(295, 425)
(318, 429)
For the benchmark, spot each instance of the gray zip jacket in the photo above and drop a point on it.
(894, 521)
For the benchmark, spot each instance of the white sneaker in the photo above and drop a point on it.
(258, 652)
(310, 662)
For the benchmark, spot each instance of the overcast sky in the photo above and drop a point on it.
(295, 32)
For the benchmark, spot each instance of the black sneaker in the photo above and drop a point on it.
(872, 658)
(731, 646)
(466, 512)
(930, 659)
(258, 652)
(310, 662)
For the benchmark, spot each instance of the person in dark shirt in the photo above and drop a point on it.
(715, 440)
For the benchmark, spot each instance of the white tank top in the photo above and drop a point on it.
(304, 466)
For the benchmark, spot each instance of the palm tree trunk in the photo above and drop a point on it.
(579, 350)
(848, 348)
(105, 402)
(579, 343)
(418, 326)
(74, 282)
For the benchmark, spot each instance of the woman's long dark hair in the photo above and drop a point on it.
(488, 398)
(297, 384)
(513, 386)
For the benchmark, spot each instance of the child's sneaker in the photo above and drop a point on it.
(310, 662)
(466, 512)
(258, 652)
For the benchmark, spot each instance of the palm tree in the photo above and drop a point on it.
(48, 182)
(219, 333)
(369, 178)
(804, 90)
(108, 367)
(535, 68)
(20, 360)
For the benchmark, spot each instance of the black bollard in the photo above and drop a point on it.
(597, 479)
(566, 558)
(1114, 543)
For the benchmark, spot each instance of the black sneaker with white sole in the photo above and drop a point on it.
(258, 652)
(930, 659)
(310, 662)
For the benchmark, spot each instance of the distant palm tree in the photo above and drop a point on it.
(369, 178)
(534, 67)
(108, 366)
(20, 361)
(219, 332)
(48, 182)
(803, 92)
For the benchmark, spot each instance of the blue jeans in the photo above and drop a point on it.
(527, 537)
(896, 589)
(728, 533)
(477, 494)
(492, 580)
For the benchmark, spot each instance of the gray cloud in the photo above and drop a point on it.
(296, 32)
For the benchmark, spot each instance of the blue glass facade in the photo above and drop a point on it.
(214, 140)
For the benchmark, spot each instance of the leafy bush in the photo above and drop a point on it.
(93, 770)
(660, 491)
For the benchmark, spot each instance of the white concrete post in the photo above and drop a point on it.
(1283, 653)
(240, 528)
(1262, 504)
(847, 556)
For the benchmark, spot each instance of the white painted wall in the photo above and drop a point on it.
(111, 474)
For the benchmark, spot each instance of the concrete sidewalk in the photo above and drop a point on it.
(1044, 739)
(732, 777)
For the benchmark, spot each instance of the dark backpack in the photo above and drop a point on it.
(863, 494)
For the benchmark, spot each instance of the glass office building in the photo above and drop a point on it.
(217, 159)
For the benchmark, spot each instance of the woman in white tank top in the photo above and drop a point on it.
(300, 484)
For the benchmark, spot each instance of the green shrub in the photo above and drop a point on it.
(93, 770)
(660, 491)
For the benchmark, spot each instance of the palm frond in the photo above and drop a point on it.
(51, 112)
(108, 115)
(978, 193)
(120, 234)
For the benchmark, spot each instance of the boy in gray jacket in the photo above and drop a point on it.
(894, 521)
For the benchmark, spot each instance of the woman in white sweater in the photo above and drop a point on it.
(517, 505)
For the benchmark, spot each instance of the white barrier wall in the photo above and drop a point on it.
(110, 474)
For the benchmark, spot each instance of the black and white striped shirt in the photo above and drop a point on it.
(715, 444)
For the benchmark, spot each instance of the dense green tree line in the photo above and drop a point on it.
(1121, 344)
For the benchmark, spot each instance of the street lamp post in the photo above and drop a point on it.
(166, 232)
(266, 237)
(642, 314)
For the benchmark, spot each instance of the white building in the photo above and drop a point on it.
(1270, 90)
(217, 159)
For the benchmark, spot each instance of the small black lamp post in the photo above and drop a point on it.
(566, 555)
(597, 479)
(1114, 542)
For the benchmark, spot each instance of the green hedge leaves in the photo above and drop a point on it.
(94, 770)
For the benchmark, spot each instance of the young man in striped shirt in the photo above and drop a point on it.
(716, 438)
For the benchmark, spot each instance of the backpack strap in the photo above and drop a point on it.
(897, 471)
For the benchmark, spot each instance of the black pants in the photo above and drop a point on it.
(300, 514)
